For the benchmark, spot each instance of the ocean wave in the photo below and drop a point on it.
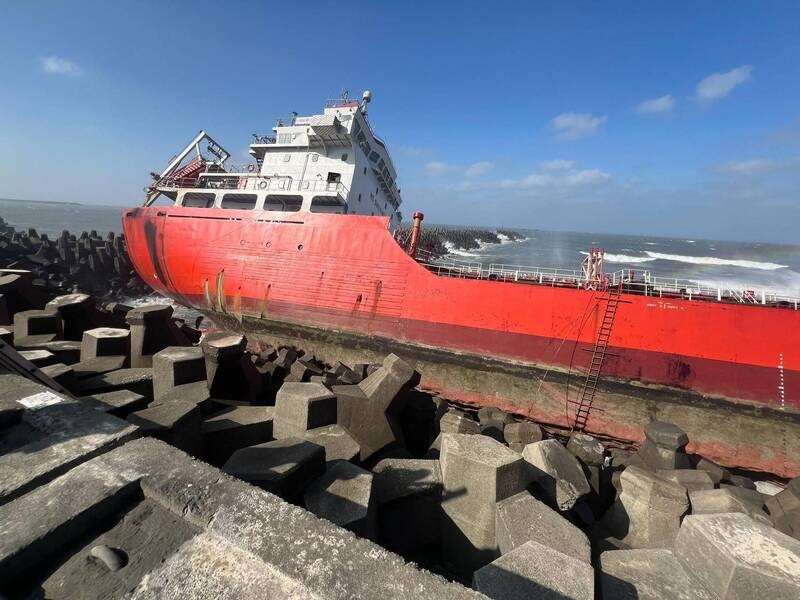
(624, 258)
(451, 249)
(713, 260)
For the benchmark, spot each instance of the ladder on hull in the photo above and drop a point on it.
(583, 404)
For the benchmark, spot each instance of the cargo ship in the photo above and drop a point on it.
(301, 246)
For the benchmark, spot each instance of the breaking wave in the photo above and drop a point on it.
(624, 258)
(451, 249)
(713, 260)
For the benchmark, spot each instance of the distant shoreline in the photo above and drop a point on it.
(40, 201)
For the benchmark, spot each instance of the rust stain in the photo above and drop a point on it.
(265, 300)
(221, 291)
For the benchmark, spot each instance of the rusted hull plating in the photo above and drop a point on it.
(346, 273)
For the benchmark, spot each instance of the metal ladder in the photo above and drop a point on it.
(584, 402)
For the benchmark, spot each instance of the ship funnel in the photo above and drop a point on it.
(415, 229)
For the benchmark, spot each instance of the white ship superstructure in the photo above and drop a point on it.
(325, 163)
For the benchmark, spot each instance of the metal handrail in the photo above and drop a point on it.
(255, 182)
(635, 282)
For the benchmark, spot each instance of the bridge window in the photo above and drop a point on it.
(334, 177)
(198, 200)
(344, 156)
(283, 203)
(239, 201)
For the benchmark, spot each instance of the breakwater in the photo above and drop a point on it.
(439, 241)
(355, 456)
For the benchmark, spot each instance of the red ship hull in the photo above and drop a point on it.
(304, 275)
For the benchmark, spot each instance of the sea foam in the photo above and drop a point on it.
(713, 260)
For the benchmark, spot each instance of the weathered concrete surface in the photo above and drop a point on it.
(664, 446)
(119, 403)
(53, 435)
(709, 502)
(178, 423)
(302, 406)
(284, 467)
(244, 539)
(556, 473)
(691, 479)
(338, 443)
(344, 495)
(522, 518)
(519, 435)
(409, 493)
(477, 472)
(734, 557)
(535, 571)
(152, 329)
(653, 574)
(586, 448)
(234, 428)
(139, 380)
(648, 511)
(105, 341)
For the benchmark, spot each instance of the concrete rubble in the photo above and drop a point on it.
(308, 465)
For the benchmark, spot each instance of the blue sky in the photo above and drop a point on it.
(679, 118)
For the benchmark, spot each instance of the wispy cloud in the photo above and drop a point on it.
(656, 105)
(479, 168)
(565, 177)
(556, 165)
(718, 85)
(60, 66)
(575, 126)
(747, 167)
(437, 168)
(413, 151)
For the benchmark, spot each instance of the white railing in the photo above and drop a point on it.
(634, 282)
(252, 181)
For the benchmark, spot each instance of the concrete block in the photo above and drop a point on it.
(518, 435)
(535, 571)
(409, 493)
(177, 365)
(229, 372)
(119, 403)
(105, 341)
(66, 351)
(785, 501)
(366, 421)
(556, 473)
(650, 574)
(714, 471)
(735, 557)
(691, 479)
(477, 472)
(586, 448)
(338, 443)
(706, 502)
(522, 518)
(178, 423)
(139, 380)
(78, 313)
(284, 467)
(50, 435)
(235, 428)
(300, 407)
(664, 447)
(40, 358)
(648, 511)
(93, 367)
(152, 330)
(33, 327)
(285, 358)
(344, 495)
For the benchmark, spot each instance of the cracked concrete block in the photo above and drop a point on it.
(522, 518)
(735, 557)
(300, 407)
(344, 496)
(586, 448)
(284, 467)
(556, 473)
(649, 574)
(648, 511)
(535, 571)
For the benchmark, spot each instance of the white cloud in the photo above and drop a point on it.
(413, 151)
(556, 165)
(574, 126)
(437, 167)
(60, 66)
(719, 85)
(656, 105)
(747, 167)
(564, 178)
(479, 168)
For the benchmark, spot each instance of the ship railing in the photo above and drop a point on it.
(247, 180)
(542, 275)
